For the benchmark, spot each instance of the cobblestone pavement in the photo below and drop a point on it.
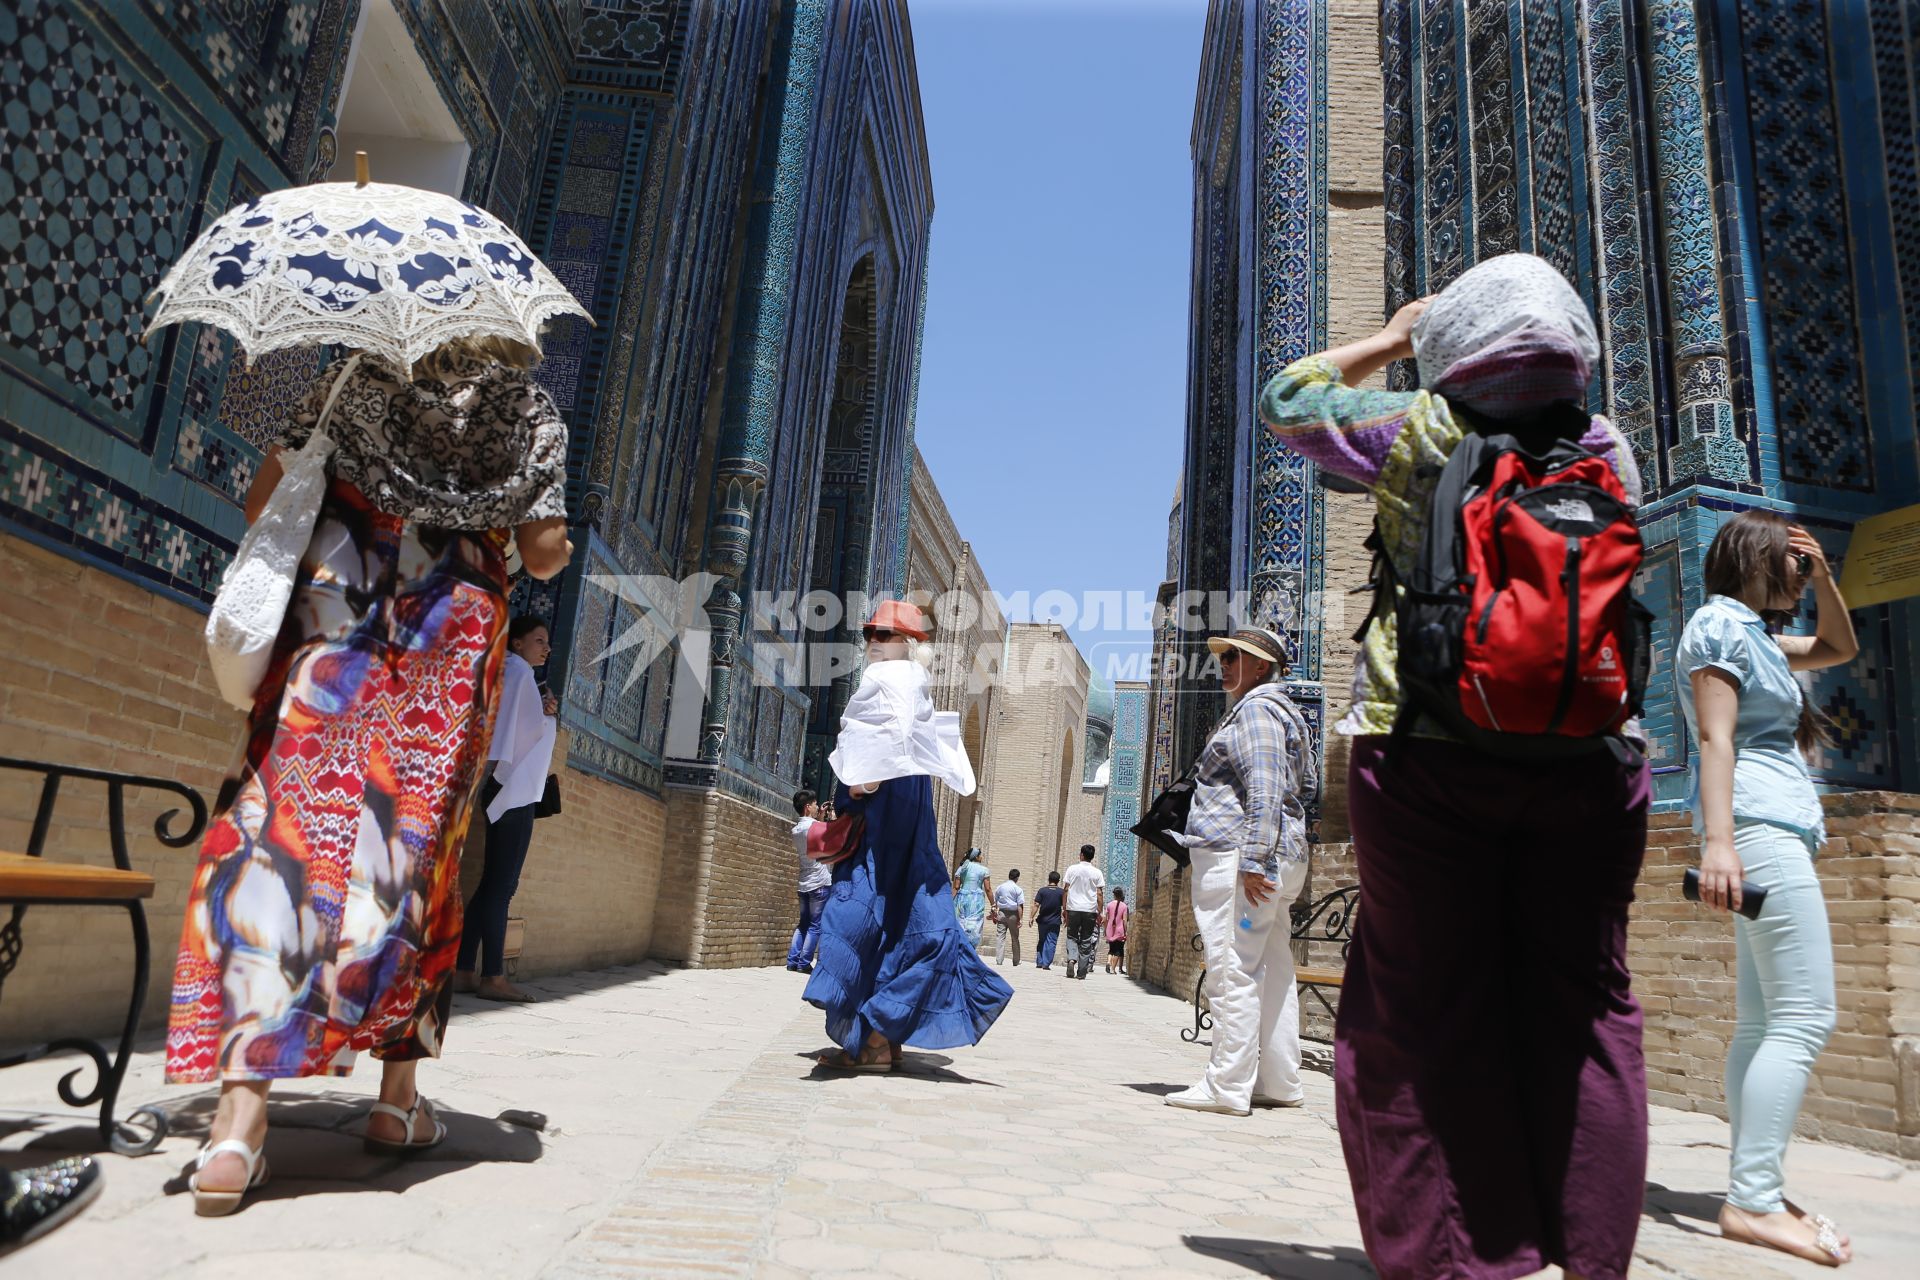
(645, 1122)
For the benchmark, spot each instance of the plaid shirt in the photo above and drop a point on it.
(1254, 777)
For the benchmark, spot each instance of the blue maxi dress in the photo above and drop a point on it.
(893, 957)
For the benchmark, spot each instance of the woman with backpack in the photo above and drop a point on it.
(1760, 822)
(1489, 1080)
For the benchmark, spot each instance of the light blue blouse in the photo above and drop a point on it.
(1770, 779)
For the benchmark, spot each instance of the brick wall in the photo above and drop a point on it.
(1356, 247)
(1866, 1086)
(726, 897)
(592, 875)
(103, 673)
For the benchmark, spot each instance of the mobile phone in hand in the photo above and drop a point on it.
(1752, 896)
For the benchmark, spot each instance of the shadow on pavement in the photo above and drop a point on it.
(1157, 1090)
(313, 1145)
(1289, 1261)
(921, 1066)
(1667, 1206)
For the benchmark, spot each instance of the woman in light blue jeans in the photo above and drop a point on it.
(1759, 819)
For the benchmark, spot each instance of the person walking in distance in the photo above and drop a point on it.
(1490, 1081)
(1247, 832)
(815, 879)
(522, 749)
(1086, 894)
(1760, 821)
(1113, 922)
(971, 884)
(1009, 906)
(1047, 905)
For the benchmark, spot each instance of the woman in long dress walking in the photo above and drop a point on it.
(970, 885)
(325, 914)
(895, 966)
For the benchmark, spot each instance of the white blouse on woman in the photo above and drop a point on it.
(522, 740)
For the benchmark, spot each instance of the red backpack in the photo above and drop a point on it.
(1518, 630)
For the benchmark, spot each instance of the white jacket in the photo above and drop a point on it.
(890, 730)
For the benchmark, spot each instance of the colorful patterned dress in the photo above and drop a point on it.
(325, 915)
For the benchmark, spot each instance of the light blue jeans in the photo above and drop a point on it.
(1785, 1009)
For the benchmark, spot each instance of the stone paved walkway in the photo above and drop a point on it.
(643, 1122)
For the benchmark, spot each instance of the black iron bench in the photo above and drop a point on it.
(1330, 919)
(30, 880)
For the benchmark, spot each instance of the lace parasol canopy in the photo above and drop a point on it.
(391, 270)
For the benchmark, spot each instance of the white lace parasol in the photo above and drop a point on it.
(386, 269)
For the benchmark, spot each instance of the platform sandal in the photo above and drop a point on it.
(218, 1204)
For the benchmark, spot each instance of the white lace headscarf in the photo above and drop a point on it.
(1507, 337)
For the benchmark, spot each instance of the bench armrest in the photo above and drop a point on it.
(117, 783)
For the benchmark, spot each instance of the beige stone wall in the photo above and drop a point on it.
(103, 673)
(1034, 787)
(944, 577)
(1866, 1086)
(588, 889)
(1356, 291)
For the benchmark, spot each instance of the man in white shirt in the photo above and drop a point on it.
(815, 879)
(1009, 904)
(1086, 894)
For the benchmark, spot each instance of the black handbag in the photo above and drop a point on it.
(548, 805)
(1166, 815)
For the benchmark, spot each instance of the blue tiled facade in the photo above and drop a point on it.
(709, 214)
(1126, 775)
(1749, 269)
(1250, 516)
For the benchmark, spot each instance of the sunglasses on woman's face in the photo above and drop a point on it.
(877, 633)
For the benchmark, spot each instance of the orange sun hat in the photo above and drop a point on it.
(899, 616)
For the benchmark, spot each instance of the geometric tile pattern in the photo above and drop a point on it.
(257, 54)
(1621, 249)
(96, 186)
(1490, 94)
(1125, 776)
(1815, 343)
(56, 499)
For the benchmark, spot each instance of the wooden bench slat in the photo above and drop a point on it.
(1317, 977)
(25, 877)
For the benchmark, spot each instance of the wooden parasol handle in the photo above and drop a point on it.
(360, 177)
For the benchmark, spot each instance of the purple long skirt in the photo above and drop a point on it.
(1491, 1088)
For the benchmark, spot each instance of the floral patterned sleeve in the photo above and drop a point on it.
(1346, 430)
(545, 469)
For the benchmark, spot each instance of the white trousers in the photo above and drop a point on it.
(1250, 987)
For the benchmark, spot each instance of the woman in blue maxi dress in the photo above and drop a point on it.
(895, 966)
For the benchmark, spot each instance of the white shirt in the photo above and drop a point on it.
(890, 730)
(1084, 883)
(522, 740)
(1009, 896)
(813, 874)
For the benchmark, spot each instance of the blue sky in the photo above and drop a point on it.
(1053, 375)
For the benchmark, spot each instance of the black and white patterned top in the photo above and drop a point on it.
(485, 449)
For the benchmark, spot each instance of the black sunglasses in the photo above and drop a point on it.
(877, 633)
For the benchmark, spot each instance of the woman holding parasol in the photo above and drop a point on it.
(325, 915)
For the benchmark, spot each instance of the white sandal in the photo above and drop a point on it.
(217, 1204)
(380, 1146)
